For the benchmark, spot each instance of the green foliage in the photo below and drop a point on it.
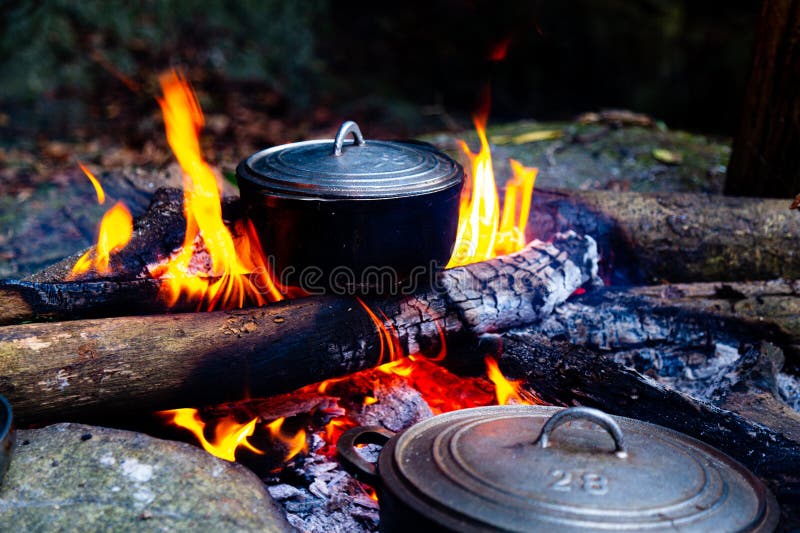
(49, 45)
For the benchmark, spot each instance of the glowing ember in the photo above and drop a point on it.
(482, 232)
(116, 229)
(239, 272)
(228, 434)
(101, 195)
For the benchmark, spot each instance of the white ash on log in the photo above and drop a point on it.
(74, 369)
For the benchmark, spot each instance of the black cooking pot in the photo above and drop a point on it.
(534, 468)
(353, 215)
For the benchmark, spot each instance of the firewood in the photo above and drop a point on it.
(688, 314)
(676, 237)
(565, 374)
(642, 238)
(78, 368)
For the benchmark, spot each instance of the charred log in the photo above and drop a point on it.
(78, 368)
(678, 237)
(683, 315)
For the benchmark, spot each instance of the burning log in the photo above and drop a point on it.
(565, 374)
(646, 238)
(80, 368)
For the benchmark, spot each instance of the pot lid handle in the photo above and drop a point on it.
(344, 129)
(352, 461)
(584, 413)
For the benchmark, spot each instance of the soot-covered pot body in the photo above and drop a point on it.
(353, 215)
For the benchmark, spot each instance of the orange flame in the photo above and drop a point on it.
(482, 232)
(295, 444)
(507, 391)
(101, 195)
(228, 434)
(116, 229)
(239, 269)
(389, 340)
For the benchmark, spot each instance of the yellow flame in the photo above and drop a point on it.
(482, 232)
(238, 276)
(101, 195)
(116, 230)
(516, 208)
(228, 434)
(295, 443)
(506, 390)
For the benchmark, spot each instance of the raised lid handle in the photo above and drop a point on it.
(584, 413)
(345, 129)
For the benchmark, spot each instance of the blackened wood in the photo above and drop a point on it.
(76, 369)
(28, 300)
(766, 152)
(564, 374)
(683, 315)
(676, 237)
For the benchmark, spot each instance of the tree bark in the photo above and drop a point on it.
(567, 375)
(676, 237)
(766, 152)
(76, 369)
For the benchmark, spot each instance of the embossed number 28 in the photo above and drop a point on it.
(590, 482)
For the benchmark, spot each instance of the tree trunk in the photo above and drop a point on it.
(766, 152)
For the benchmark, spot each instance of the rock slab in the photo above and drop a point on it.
(73, 477)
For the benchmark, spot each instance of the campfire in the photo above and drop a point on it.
(186, 312)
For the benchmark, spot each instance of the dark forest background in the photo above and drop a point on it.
(81, 69)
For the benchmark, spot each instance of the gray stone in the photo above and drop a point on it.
(72, 477)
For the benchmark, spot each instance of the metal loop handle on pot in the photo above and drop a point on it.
(584, 413)
(359, 467)
(345, 129)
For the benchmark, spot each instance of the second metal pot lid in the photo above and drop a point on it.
(354, 169)
(496, 466)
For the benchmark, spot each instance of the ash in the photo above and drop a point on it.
(318, 495)
(324, 498)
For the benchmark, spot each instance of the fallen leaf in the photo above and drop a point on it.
(529, 137)
(667, 156)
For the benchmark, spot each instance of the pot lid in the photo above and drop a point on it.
(515, 468)
(351, 169)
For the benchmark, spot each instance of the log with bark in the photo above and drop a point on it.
(676, 237)
(71, 370)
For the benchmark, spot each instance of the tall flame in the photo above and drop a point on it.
(228, 434)
(482, 232)
(239, 275)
